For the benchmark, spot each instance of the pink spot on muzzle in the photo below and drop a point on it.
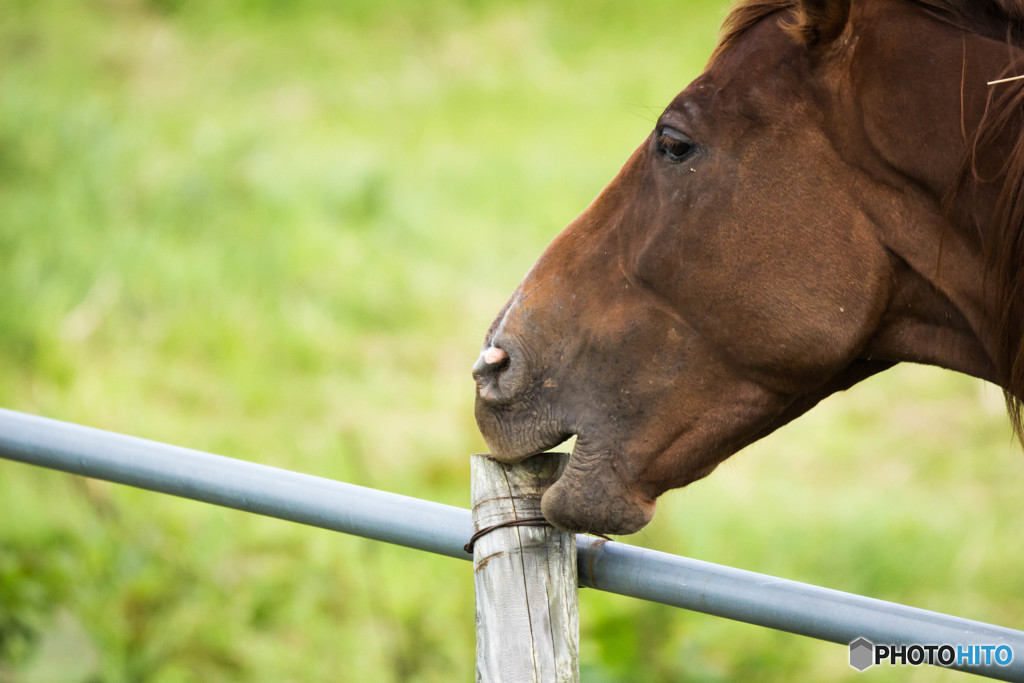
(494, 355)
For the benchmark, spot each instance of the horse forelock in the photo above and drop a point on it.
(742, 17)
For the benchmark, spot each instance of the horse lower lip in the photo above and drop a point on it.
(576, 502)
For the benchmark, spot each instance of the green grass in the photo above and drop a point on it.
(278, 231)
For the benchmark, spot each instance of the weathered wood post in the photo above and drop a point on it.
(527, 608)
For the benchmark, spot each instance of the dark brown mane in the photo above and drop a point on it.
(999, 136)
(1000, 19)
(998, 145)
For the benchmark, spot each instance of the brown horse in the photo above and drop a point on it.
(839, 191)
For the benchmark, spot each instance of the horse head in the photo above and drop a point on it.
(811, 210)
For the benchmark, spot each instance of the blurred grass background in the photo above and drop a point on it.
(278, 231)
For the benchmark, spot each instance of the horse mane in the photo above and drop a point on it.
(998, 143)
(993, 160)
(1001, 19)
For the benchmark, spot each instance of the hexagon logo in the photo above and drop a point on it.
(862, 654)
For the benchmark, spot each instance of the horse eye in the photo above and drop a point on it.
(673, 145)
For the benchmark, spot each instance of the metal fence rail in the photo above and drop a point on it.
(614, 567)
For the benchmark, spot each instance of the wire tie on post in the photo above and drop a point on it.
(525, 521)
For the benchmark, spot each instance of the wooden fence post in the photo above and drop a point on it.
(527, 609)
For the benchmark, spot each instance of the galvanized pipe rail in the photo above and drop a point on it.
(613, 567)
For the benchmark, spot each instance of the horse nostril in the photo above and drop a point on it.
(494, 355)
(501, 375)
(490, 364)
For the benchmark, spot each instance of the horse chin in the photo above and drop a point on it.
(595, 499)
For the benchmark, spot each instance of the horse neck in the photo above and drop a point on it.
(961, 247)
